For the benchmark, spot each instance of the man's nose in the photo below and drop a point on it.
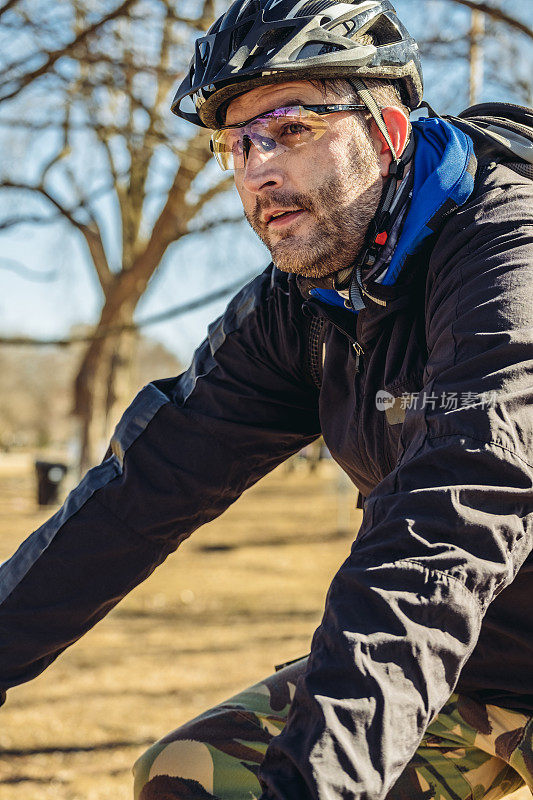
(261, 170)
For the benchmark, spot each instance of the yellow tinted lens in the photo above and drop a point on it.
(272, 134)
(222, 144)
(294, 126)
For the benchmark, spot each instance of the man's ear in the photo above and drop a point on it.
(398, 128)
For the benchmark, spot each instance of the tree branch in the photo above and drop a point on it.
(111, 330)
(133, 197)
(174, 217)
(209, 226)
(8, 5)
(26, 272)
(208, 195)
(203, 22)
(54, 55)
(497, 14)
(101, 131)
(91, 234)
(12, 222)
(65, 212)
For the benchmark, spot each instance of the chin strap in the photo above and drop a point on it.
(379, 228)
(367, 98)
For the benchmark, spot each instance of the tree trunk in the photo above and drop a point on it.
(103, 386)
(477, 32)
(120, 380)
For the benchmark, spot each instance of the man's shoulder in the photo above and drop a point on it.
(496, 176)
(501, 196)
(485, 239)
(262, 293)
(268, 308)
(501, 199)
(261, 286)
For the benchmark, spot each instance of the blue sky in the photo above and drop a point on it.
(196, 265)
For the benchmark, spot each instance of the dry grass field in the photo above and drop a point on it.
(243, 594)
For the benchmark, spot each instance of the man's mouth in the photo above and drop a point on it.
(280, 218)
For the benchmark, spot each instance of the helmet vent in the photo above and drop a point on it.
(240, 33)
(250, 8)
(203, 51)
(270, 40)
(329, 48)
(273, 38)
(385, 32)
(344, 29)
(315, 7)
(215, 27)
(312, 49)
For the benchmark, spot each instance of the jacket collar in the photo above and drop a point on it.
(443, 179)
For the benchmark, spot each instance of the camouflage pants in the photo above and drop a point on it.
(470, 751)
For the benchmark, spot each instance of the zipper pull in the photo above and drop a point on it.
(358, 353)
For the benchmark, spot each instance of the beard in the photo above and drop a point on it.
(340, 211)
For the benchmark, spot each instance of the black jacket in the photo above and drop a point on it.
(437, 588)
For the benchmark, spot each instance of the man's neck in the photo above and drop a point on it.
(340, 281)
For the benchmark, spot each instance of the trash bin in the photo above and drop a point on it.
(50, 475)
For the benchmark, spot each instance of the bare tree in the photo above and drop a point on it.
(19, 72)
(100, 78)
(498, 14)
(114, 134)
(489, 45)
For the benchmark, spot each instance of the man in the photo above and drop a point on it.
(396, 322)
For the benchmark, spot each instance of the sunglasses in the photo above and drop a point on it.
(272, 133)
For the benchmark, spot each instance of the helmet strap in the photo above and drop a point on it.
(379, 228)
(367, 98)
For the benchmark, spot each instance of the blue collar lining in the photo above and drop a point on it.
(441, 160)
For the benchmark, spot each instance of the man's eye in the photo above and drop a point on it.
(294, 129)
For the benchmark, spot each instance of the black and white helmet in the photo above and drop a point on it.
(270, 41)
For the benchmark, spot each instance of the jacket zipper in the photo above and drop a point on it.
(355, 344)
(358, 353)
(358, 350)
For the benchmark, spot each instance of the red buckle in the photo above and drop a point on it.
(381, 238)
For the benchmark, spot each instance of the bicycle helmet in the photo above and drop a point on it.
(260, 42)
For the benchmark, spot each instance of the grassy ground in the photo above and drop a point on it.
(245, 593)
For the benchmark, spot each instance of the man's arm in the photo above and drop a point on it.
(182, 453)
(442, 534)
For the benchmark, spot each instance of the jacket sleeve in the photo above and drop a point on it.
(182, 453)
(442, 534)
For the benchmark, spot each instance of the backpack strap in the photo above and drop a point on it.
(501, 132)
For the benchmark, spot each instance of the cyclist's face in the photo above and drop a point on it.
(330, 186)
